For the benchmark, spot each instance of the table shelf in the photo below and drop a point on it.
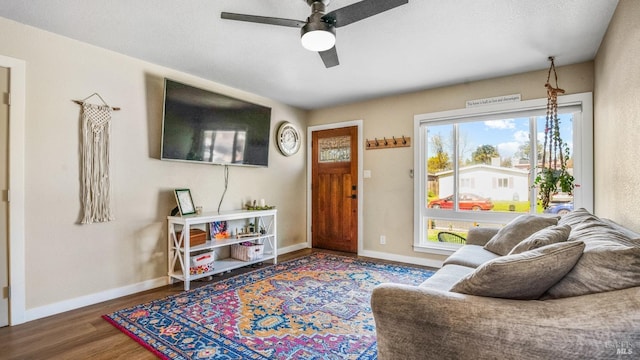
(179, 251)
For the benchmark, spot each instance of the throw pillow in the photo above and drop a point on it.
(544, 237)
(605, 266)
(517, 230)
(524, 276)
(576, 217)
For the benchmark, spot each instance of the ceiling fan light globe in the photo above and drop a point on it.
(318, 40)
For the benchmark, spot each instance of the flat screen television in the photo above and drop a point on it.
(202, 126)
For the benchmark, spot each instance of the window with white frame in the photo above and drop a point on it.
(476, 166)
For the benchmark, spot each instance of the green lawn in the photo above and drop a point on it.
(520, 206)
(503, 206)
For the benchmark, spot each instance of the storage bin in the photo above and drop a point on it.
(196, 237)
(201, 263)
(247, 251)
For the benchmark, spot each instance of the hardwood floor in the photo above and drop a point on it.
(83, 334)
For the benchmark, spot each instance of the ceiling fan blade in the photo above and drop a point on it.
(263, 19)
(360, 10)
(330, 57)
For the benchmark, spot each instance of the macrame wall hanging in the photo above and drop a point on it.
(95, 162)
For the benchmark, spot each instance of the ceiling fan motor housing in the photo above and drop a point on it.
(317, 34)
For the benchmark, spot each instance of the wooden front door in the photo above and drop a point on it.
(334, 200)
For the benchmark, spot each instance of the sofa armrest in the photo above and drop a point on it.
(423, 323)
(480, 235)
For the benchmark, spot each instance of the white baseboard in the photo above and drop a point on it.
(376, 255)
(82, 301)
(401, 258)
(292, 248)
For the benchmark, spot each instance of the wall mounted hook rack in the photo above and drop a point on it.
(386, 143)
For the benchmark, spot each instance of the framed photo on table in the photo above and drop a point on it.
(185, 202)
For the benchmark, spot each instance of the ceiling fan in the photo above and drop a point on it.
(319, 31)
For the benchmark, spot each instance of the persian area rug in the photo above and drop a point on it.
(315, 307)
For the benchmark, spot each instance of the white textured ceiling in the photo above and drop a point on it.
(423, 44)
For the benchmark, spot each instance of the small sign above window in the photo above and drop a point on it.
(493, 100)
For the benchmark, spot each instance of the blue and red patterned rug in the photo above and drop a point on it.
(315, 307)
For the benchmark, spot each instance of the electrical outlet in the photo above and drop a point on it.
(383, 239)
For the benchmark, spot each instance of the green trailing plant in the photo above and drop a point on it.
(553, 175)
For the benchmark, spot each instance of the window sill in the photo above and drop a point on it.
(436, 248)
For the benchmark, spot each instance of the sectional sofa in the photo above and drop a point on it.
(538, 288)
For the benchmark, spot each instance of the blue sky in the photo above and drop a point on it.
(506, 134)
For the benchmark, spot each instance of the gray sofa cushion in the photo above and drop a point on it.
(576, 217)
(524, 276)
(480, 235)
(517, 230)
(470, 256)
(604, 266)
(544, 237)
(635, 237)
(611, 261)
(446, 277)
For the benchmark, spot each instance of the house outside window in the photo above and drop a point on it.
(475, 167)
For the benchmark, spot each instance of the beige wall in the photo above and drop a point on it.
(65, 260)
(388, 194)
(617, 118)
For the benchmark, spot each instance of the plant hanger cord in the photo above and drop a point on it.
(553, 174)
(552, 126)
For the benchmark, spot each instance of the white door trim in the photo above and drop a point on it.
(360, 146)
(17, 120)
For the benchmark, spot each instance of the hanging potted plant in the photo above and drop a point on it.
(553, 176)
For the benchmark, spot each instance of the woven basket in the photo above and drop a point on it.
(247, 252)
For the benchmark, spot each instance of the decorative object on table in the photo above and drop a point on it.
(386, 143)
(312, 307)
(185, 202)
(95, 177)
(553, 175)
(219, 230)
(246, 231)
(288, 139)
(254, 205)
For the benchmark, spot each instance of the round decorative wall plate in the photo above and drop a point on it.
(288, 139)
